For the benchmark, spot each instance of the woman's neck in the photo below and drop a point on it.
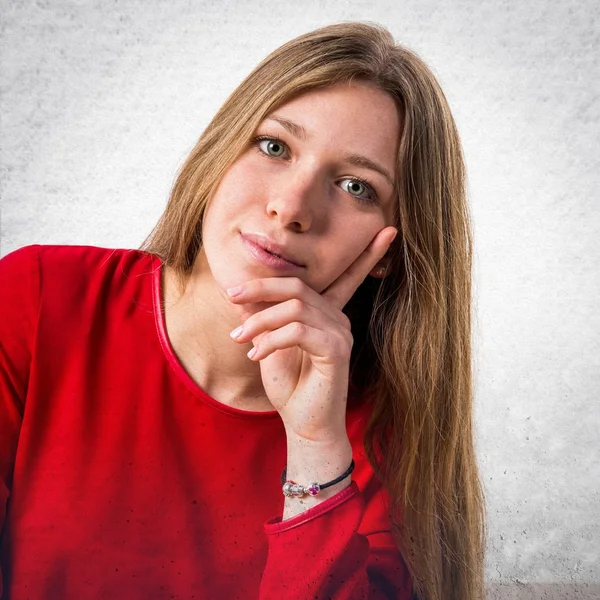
(198, 322)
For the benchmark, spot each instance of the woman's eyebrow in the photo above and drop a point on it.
(362, 161)
(293, 128)
(353, 159)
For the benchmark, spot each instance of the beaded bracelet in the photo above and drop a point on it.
(291, 489)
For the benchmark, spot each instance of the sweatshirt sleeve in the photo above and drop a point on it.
(19, 300)
(321, 555)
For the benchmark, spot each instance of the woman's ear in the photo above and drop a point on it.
(379, 271)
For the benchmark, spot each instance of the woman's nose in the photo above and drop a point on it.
(293, 200)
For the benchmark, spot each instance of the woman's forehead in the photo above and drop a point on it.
(358, 114)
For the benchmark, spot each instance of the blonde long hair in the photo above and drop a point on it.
(415, 326)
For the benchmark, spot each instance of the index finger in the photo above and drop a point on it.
(342, 289)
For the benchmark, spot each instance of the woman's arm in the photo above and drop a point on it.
(303, 343)
(337, 550)
(19, 301)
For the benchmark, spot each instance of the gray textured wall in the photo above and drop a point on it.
(101, 101)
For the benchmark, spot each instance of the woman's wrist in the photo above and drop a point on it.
(316, 462)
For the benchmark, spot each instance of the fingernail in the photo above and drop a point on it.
(234, 291)
(237, 332)
(394, 236)
(252, 352)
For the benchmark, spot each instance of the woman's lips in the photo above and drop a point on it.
(270, 259)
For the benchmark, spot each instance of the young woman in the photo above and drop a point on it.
(273, 398)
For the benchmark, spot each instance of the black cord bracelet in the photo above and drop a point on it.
(293, 489)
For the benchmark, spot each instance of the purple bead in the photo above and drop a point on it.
(313, 489)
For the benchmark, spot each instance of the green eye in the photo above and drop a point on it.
(361, 190)
(272, 147)
(356, 188)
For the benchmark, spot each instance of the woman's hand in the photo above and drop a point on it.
(303, 344)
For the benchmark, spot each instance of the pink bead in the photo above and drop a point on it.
(313, 489)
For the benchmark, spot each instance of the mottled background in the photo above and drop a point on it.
(101, 102)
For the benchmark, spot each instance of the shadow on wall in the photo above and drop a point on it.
(543, 591)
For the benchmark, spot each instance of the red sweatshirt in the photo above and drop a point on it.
(121, 479)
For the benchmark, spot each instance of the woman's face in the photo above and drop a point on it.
(310, 193)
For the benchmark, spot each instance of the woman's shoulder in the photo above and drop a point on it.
(61, 279)
(75, 256)
(72, 263)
